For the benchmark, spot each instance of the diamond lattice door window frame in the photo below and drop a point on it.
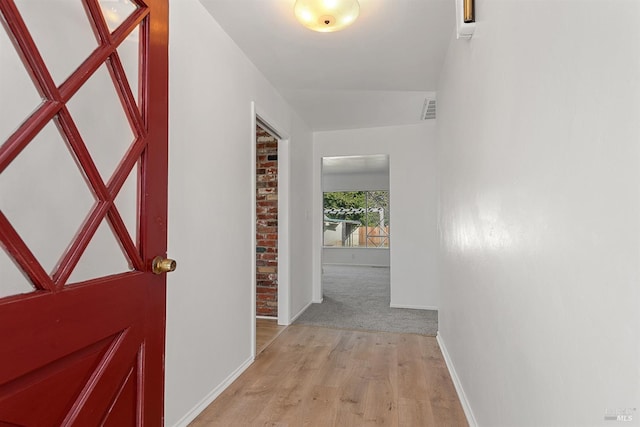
(54, 109)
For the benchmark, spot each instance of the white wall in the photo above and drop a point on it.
(412, 180)
(539, 156)
(209, 301)
(300, 220)
(378, 257)
(355, 181)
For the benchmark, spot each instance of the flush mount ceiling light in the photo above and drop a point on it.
(326, 15)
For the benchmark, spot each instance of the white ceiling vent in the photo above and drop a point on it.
(428, 109)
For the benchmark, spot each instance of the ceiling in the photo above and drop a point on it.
(376, 72)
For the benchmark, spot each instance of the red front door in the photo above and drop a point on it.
(83, 182)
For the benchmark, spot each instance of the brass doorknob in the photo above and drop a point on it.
(161, 265)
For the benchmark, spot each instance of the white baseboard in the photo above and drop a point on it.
(415, 307)
(471, 419)
(192, 414)
(293, 319)
(267, 317)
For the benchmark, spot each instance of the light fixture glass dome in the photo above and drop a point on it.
(326, 15)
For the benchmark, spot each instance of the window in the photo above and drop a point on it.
(356, 219)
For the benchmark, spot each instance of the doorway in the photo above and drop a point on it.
(356, 232)
(269, 228)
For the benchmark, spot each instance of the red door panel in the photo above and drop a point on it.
(91, 353)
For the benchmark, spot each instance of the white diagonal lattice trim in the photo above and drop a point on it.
(351, 211)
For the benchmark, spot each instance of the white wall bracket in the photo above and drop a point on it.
(464, 30)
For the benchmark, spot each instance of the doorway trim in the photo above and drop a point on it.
(259, 117)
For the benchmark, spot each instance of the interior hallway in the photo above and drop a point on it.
(312, 376)
(523, 192)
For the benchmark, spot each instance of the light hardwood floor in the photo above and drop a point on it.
(311, 376)
(266, 331)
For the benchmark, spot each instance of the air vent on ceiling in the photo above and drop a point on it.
(428, 109)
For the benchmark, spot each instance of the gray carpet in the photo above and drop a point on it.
(358, 298)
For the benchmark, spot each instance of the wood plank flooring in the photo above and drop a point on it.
(267, 330)
(312, 376)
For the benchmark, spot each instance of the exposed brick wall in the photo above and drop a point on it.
(267, 224)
